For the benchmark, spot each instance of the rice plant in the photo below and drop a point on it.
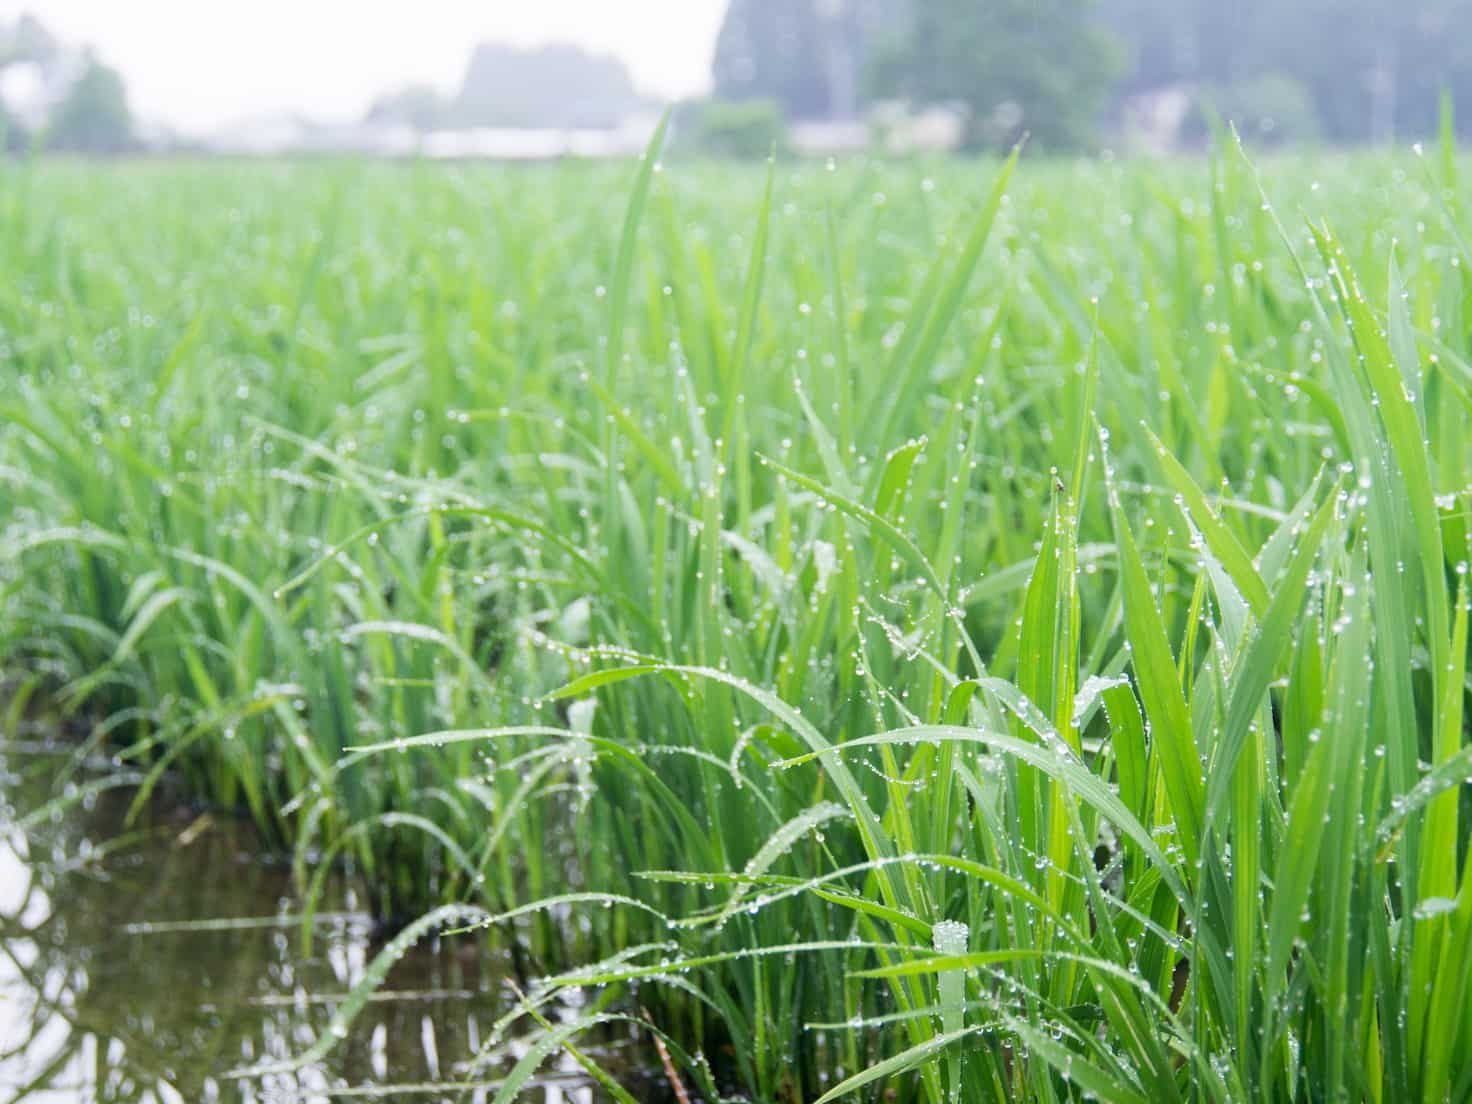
(969, 631)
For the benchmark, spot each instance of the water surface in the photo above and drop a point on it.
(143, 964)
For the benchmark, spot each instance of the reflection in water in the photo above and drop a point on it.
(141, 967)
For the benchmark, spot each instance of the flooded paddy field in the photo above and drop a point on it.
(145, 962)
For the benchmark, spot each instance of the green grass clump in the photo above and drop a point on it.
(925, 634)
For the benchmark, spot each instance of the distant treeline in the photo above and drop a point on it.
(1070, 71)
(59, 96)
(549, 86)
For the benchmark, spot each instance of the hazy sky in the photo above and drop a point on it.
(200, 63)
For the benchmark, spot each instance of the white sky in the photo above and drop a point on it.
(198, 64)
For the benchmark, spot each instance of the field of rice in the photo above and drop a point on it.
(968, 631)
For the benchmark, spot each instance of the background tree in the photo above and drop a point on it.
(552, 86)
(771, 49)
(1045, 67)
(809, 56)
(1376, 68)
(748, 129)
(13, 134)
(1371, 70)
(1268, 110)
(419, 106)
(28, 39)
(93, 116)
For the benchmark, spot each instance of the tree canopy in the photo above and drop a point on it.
(1372, 69)
(94, 116)
(1342, 70)
(809, 56)
(552, 86)
(1042, 67)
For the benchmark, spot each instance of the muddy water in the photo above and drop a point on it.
(144, 966)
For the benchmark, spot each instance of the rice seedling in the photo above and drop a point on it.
(978, 631)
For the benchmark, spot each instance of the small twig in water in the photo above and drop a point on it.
(669, 1066)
